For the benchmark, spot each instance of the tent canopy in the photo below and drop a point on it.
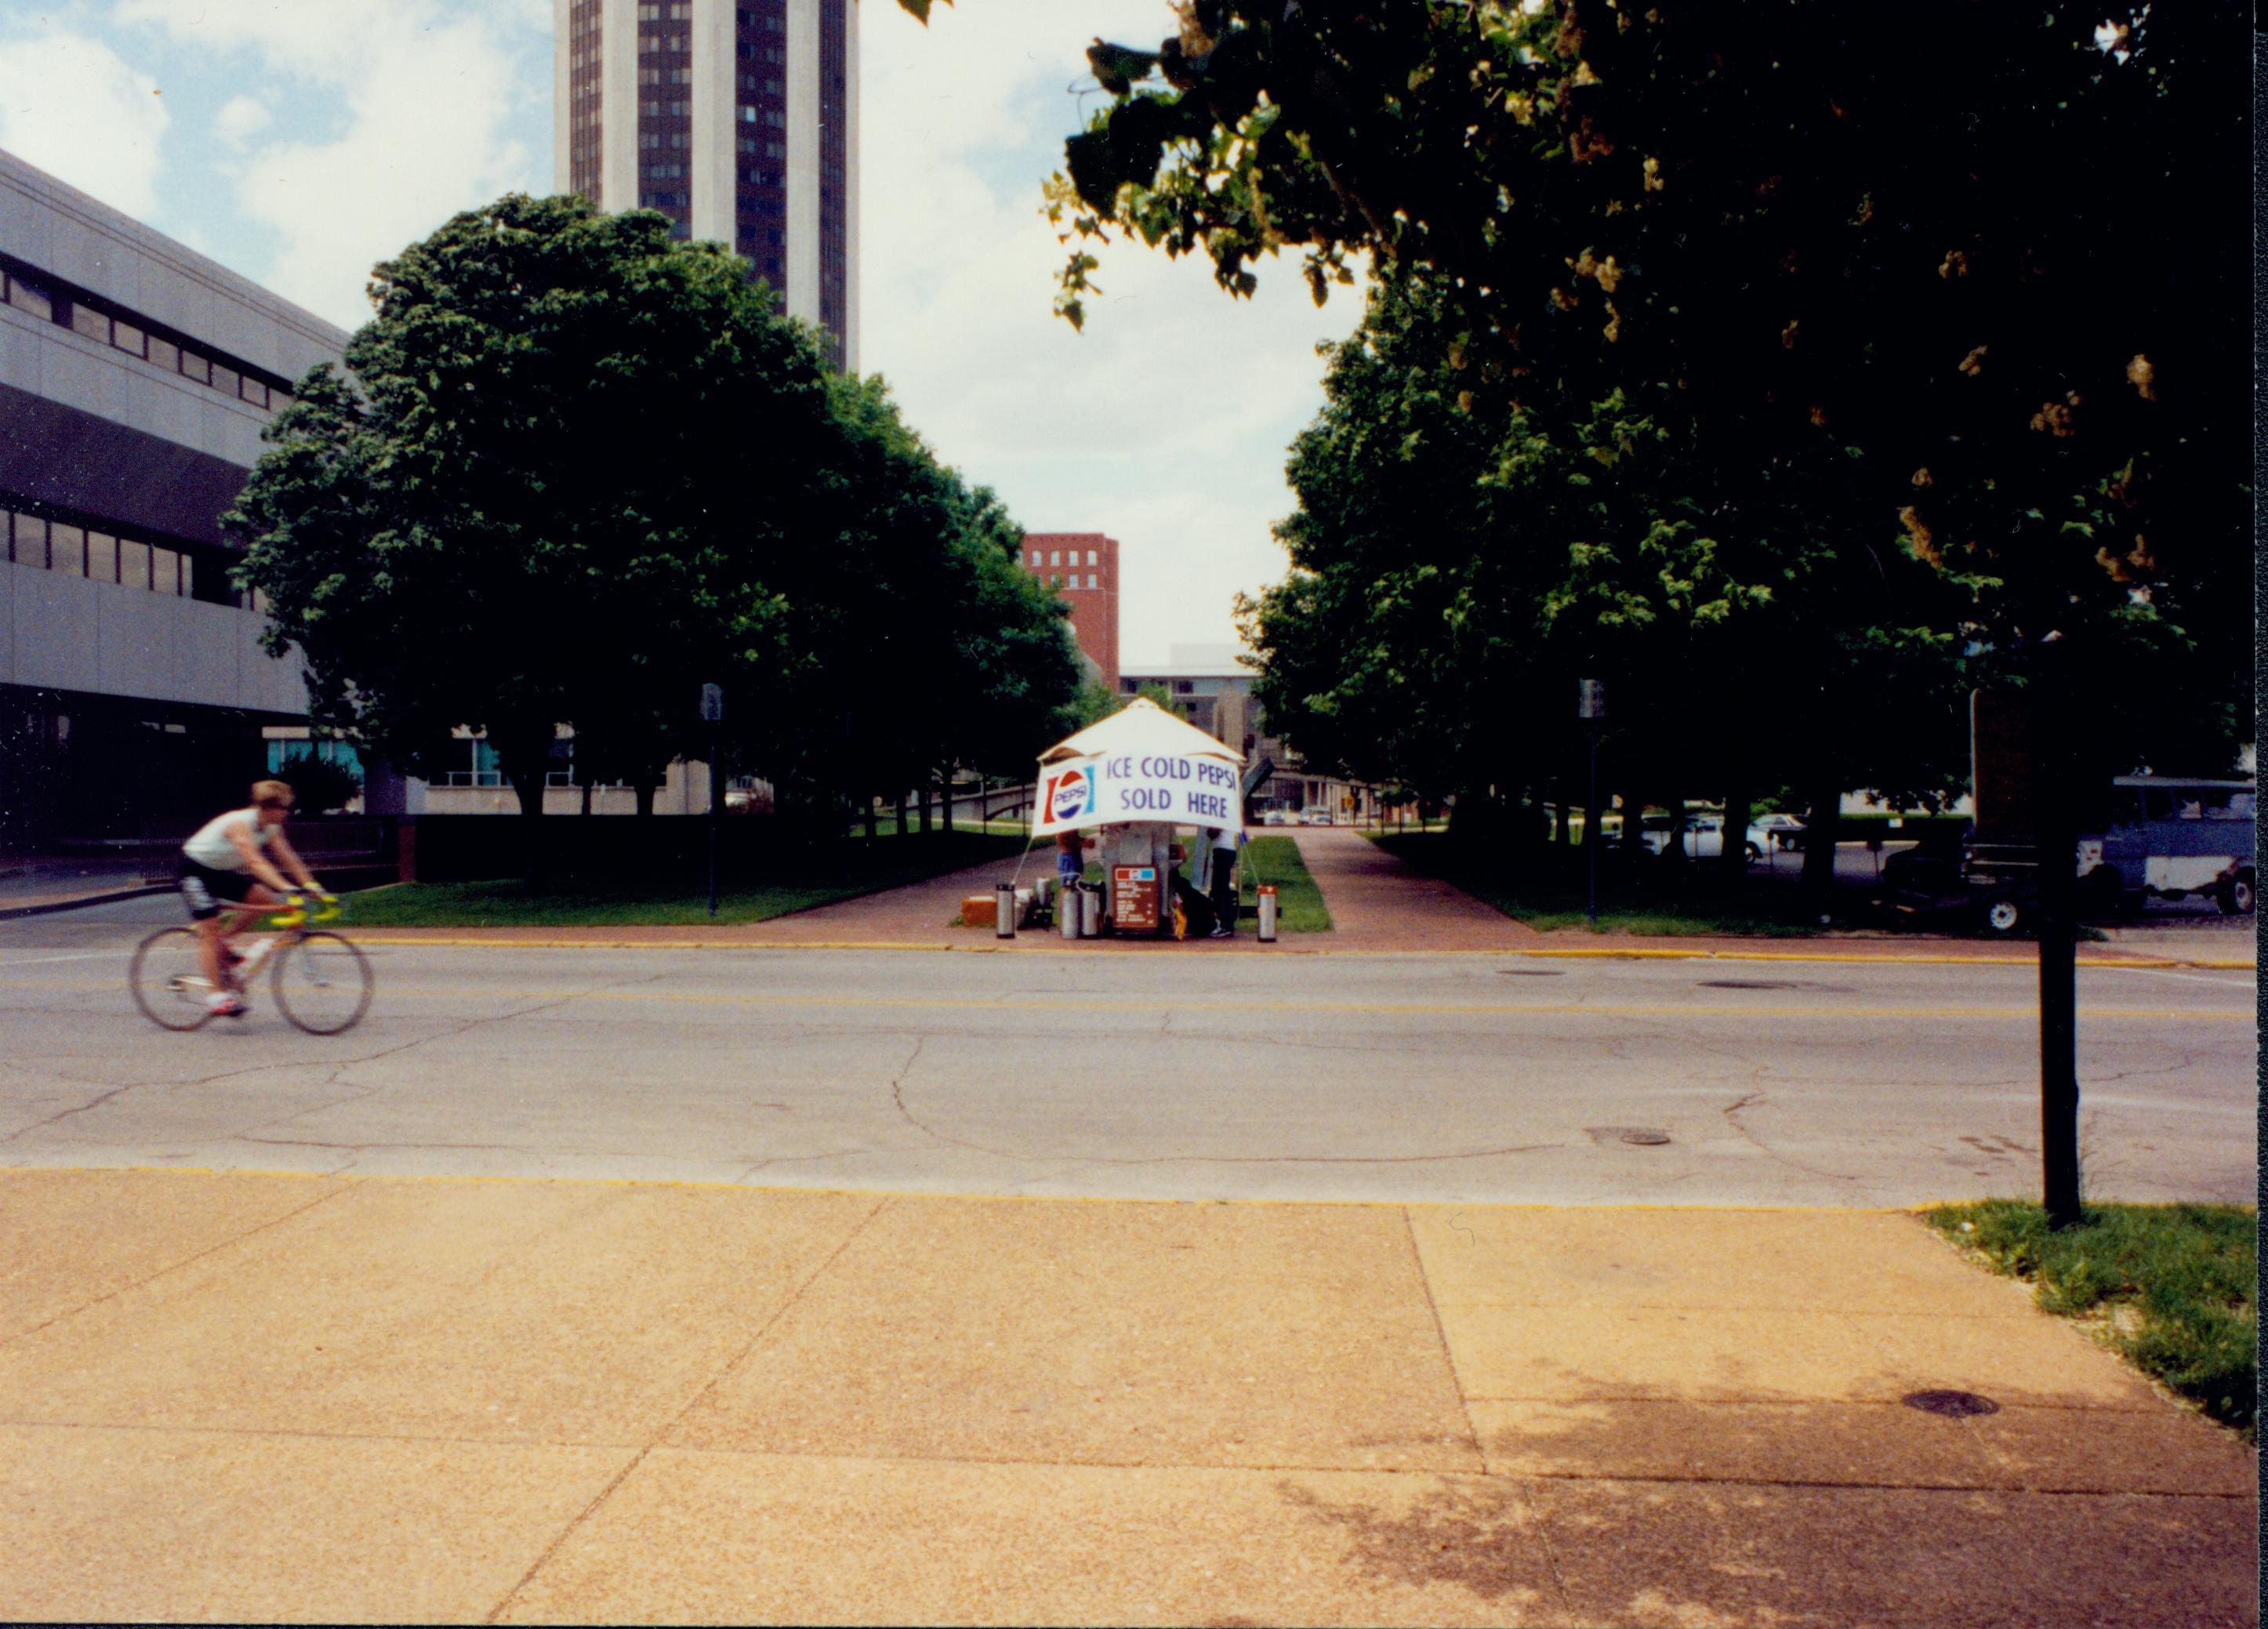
(1139, 764)
(1141, 725)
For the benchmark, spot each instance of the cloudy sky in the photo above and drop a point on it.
(298, 141)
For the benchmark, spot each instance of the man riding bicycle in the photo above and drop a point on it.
(225, 862)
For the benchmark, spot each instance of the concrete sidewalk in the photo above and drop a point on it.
(326, 1398)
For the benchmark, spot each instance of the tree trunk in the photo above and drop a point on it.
(872, 819)
(1820, 832)
(527, 770)
(946, 785)
(923, 794)
(643, 793)
(1734, 860)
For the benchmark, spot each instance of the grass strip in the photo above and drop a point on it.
(2170, 1288)
(1299, 907)
(1553, 900)
(631, 900)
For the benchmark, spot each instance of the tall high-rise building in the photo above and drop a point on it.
(738, 119)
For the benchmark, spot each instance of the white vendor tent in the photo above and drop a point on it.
(1141, 764)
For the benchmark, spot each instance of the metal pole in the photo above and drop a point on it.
(716, 797)
(1591, 835)
(2056, 831)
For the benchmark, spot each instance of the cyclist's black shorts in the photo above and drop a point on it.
(205, 886)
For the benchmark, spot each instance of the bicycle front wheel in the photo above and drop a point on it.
(168, 981)
(322, 984)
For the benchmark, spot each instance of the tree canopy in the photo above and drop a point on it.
(1976, 328)
(572, 470)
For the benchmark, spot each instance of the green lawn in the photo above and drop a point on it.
(1551, 896)
(2171, 1287)
(1299, 907)
(754, 895)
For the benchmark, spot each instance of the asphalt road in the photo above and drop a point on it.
(1263, 1075)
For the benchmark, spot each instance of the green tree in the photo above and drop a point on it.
(550, 485)
(1965, 341)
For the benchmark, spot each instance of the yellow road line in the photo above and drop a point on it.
(1699, 1008)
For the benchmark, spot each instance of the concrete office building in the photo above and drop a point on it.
(1082, 567)
(136, 376)
(738, 119)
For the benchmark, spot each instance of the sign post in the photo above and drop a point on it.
(712, 713)
(1591, 706)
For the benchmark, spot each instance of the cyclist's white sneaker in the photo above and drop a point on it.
(223, 1004)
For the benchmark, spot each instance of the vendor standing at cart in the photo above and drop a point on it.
(1070, 858)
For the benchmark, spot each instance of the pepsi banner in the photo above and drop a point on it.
(1111, 789)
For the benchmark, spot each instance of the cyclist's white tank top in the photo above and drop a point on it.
(211, 845)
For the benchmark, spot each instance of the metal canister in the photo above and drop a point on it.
(1067, 904)
(1267, 893)
(1004, 910)
(1090, 912)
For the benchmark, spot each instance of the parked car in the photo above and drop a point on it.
(1702, 836)
(1780, 832)
(1316, 817)
(1929, 877)
(1276, 817)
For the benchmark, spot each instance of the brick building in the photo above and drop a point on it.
(1083, 568)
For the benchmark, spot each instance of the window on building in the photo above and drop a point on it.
(133, 564)
(188, 589)
(27, 298)
(29, 541)
(67, 550)
(253, 391)
(1091, 581)
(196, 367)
(1055, 556)
(1035, 558)
(127, 337)
(1090, 556)
(471, 761)
(1184, 687)
(102, 556)
(164, 570)
(224, 379)
(1055, 579)
(164, 353)
(87, 321)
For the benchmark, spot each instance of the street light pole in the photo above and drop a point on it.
(712, 711)
(1591, 706)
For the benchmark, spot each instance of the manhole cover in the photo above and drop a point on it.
(1952, 1404)
(1646, 1138)
(1747, 983)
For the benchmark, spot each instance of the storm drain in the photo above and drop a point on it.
(1749, 983)
(1951, 1404)
(1639, 1136)
(1533, 972)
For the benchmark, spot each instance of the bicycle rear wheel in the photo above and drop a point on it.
(168, 982)
(322, 984)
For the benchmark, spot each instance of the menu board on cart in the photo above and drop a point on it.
(1134, 899)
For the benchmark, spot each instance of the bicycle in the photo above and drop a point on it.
(321, 983)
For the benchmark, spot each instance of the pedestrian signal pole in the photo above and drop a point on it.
(1591, 706)
(712, 713)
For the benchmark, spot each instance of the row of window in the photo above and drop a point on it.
(771, 149)
(78, 551)
(648, 44)
(770, 23)
(1056, 557)
(771, 115)
(752, 85)
(135, 341)
(675, 110)
(664, 199)
(675, 12)
(665, 76)
(1055, 580)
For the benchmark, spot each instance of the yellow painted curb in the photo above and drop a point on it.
(1280, 947)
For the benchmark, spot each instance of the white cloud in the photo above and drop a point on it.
(1166, 424)
(71, 106)
(426, 92)
(241, 119)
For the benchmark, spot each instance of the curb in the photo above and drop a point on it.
(1010, 947)
(9, 913)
